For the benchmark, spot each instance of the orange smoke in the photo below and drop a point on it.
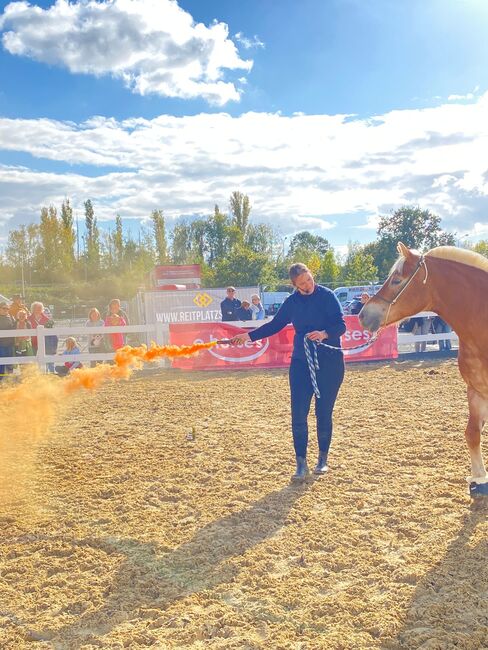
(28, 409)
(128, 359)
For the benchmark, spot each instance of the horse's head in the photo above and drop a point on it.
(403, 293)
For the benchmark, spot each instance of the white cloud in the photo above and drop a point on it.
(300, 171)
(154, 46)
(249, 43)
(453, 98)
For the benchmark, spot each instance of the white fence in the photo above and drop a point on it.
(158, 332)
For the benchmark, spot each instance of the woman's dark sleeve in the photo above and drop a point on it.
(337, 324)
(280, 320)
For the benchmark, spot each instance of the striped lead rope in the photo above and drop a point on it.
(313, 359)
(313, 363)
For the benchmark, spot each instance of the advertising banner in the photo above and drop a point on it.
(273, 352)
(187, 274)
(189, 305)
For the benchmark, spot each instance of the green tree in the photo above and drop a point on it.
(329, 270)
(118, 241)
(180, 238)
(481, 247)
(220, 236)
(67, 238)
(243, 267)
(304, 244)
(415, 227)
(261, 238)
(50, 240)
(159, 234)
(384, 253)
(359, 266)
(240, 208)
(92, 241)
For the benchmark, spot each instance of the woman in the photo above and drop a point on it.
(6, 342)
(117, 338)
(96, 342)
(317, 317)
(23, 344)
(257, 308)
(71, 347)
(39, 317)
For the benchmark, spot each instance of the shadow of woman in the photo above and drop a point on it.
(449, 606)
(154, 577)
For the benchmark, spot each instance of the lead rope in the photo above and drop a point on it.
(313, 359)
(313, 363)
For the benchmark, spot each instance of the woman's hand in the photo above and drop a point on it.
(318, 335)
(240, 338)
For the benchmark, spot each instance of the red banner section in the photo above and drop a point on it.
(273, 352)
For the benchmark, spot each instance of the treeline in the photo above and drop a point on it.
(230, 248)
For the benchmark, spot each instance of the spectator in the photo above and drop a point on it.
(257, 308)
(6, 343)
(358, 303)
(23, 344)
(71, 347)
(39, 317)
(229, 305)
(116, 339)
(441, 327)
(355, 307)
(96, 342)
(244, 312)
(115, 308)
(421, 326)
(17, 305)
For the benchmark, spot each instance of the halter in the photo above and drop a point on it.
(390, 303)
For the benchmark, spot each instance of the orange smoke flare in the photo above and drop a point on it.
(128, 359)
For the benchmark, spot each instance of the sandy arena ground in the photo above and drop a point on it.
(129, 535)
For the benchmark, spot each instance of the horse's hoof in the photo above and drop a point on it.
(478, 489)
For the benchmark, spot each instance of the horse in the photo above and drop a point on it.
(453, 283)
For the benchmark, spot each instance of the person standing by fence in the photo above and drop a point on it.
(316, 315)
(23, 344)
(96, 342)
(6, 343)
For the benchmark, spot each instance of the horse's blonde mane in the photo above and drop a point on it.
(461, 255)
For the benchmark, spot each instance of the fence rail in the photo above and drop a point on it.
(157, 332)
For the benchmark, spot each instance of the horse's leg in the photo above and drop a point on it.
(478, 411)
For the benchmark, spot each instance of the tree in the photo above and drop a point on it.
(384, 253)
(481, 247)
(159, 233)
(92, 240)
(240, 208)
(359, 266)
(219, 234)
(304, 244)
(416, 228)
(243, 267)
(329, 270)
(261, 238)
(118, 241)
(180, 242)
(67, 238)
(50, 239)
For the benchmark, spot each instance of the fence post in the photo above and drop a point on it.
(41, 347)
(162, 338)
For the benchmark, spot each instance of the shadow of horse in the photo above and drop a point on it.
(449, 606)
(151, 576)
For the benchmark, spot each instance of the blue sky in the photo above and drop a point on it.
(327, 113)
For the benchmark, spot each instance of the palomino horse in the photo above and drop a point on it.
(453, 283)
